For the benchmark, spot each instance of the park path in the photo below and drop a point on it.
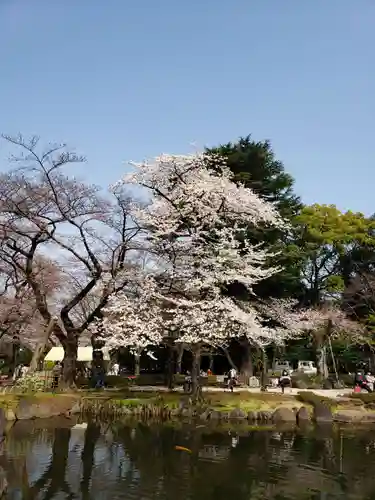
(329, 393)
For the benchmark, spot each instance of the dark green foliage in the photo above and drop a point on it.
(254, 164)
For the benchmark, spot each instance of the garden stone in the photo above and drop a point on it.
(265, 416)
(254, 382)
(322, 414)
(369, 417)
(283, 415)
(350, 416)
(252, 416)
(237, 413)
(33, 407)
(303, 415)
(214, 415)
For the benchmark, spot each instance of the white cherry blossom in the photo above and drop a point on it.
(132, 317)
(196, 224)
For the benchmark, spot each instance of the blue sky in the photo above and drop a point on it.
(126, 79)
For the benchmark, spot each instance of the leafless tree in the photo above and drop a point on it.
(89, 236)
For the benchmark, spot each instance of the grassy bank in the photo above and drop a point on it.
(218, 405)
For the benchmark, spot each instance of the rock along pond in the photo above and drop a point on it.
(56, 459)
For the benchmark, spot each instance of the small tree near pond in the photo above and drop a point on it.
(323, 324)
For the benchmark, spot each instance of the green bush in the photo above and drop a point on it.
(32, 383)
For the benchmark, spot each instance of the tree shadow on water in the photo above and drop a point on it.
(92, 435)
(53, 479)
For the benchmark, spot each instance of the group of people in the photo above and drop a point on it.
(363, 381)
(96, 375)
(283, 381)
(20, 371)
(232, 380)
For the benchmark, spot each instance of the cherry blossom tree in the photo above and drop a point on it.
(323, 323)
(87, 233)
(195, 224)
(132, 317)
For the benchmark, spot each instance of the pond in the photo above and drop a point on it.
(97, 460)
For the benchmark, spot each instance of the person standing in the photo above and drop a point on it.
(285, 381)
(232, 379)
(370, 379)
(56, 374)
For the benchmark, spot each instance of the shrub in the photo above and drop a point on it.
(32, 383)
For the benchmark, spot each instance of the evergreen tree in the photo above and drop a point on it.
(254, 164)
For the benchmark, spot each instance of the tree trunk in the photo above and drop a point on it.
(211, 363)
(92, 435)
(40, 348)
(70, 346)
(321, 361)
(15, 349)
(247, 367)
(195, 371)
(170, 368)
(229, 358)
(53, 479)
(321, 350)
(180, 355)
(137, 364)
(263, 375)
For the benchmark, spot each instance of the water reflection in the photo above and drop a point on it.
(60, 460)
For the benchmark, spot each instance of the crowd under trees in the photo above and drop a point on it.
(224, 253)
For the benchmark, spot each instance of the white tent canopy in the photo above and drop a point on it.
(84, 354)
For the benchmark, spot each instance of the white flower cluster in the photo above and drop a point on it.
(196, 223)
(132, 317)
(297, 321)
